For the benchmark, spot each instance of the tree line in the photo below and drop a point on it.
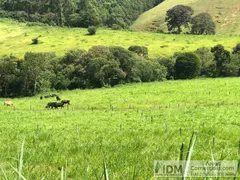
(77, 13)
(103, 66)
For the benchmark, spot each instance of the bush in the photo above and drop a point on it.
(230, 70)
(221, 57)
(140, 50)
(116, 27)
(150, 70)
(187, 66)
(207, 59)
(236, 50)
(169, 64)
(35, 40)
(92, 30)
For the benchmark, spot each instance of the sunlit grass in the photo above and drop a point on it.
(123, 128)
(16, 39)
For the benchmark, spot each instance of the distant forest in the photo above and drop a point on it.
(77, 13)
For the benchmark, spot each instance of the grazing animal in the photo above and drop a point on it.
(8, 103)
(61, 105)
(66, 101)
(48, 96)
(41, 97)
(51, 95)
(58, 98)
(55, 105)
(51, 104)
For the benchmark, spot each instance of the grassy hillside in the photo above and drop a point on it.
(16, 38)
(124, 126)
(226, 14)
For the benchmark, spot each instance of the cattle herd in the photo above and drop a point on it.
(50, 104)
(56, 104)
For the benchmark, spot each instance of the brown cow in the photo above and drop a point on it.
(65, 101)
(8, 103)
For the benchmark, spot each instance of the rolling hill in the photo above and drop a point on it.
(16, 39)
(226, 15)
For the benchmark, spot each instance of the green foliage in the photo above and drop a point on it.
(187, 66)
(169, 63)
(236, 50)
(203, 24)
(10, 81)
(230, 70)
(92, 30)
(140, 50)
(221, 57)
(104, 66)
(36, 72)
(207, 59)
(177, 17)
(150, 70)
(77, 13)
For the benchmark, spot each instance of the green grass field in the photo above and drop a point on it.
(16, 39)
(124, 126)
(226, 15)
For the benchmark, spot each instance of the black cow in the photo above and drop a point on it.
(55, 105)
(48, 96)
(51, 104)
(65, 101)
(58, 98)
(61, 105)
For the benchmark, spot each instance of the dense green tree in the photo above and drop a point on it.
(140, 50)
(177, 17)
(127, 61)
(187, 66)
(221, 57)
(36, 72)
(236, 50)
(150, 70)
(68, 71)
(203, 24)
(169, 63)
(77, 13)
(9, 77)
(207, 59)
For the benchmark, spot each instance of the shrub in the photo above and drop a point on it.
(150, 70)
(206, 57)
(140, 50)
(35, 40)
(169, 64)
(116, 27)
(92, 30)
(187, 66)
(230, 70)
(221, 57)
(236, 50)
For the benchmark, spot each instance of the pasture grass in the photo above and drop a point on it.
(117, 133)
(16, 39)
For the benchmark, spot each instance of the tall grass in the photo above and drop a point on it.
(57, 150)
